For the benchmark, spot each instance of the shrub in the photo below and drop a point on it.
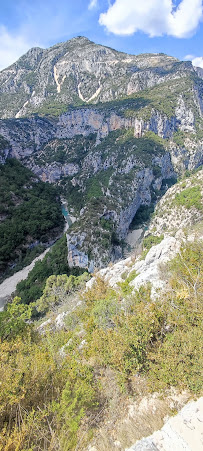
(190, 197)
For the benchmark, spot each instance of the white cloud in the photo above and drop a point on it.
(11, 47)
(188, 57)
(92, 4)
(198, 61)
(153, 17)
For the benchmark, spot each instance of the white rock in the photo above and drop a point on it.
(184, 432)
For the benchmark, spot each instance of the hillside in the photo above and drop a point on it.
(104, 362)
(30, 216)
(97, 349)
(79, 71)
(110, 152)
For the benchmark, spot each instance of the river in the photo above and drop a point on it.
(8, 286)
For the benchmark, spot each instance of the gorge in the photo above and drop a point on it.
(101, 227)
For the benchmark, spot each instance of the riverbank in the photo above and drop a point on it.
(8, 287)
(133, 242)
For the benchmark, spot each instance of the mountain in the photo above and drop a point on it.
(97, 361)
(109, 129)
(80, 72)
(117, 355)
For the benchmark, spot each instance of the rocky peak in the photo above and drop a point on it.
(79, 71)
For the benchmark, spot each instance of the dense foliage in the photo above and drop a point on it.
(30, 213)
(50, 382)
(190, 197)
(54, 262)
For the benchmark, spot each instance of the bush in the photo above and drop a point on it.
(152, 240)
(190, 197)
(32, 213)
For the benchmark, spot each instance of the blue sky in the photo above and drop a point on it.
(134, 26)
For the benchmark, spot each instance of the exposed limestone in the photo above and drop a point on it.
(184, 432)
(170, 217)
(75, 257)
(185, 116)
(55, 171)
(176, 225)
(79, 70)
(147, 270)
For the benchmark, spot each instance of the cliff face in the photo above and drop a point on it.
(177, 219)
(79, 71)
(26, 137)
(111, 162)
(136, 121)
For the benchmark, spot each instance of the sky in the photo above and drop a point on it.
(174, 27)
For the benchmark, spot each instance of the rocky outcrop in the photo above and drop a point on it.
(28, 136)
(147, 270)
(85, 121)
(121, 215)
(79, 71)
(183, 432)
(117, 151)
(185, 116)
(75, 257)
(174, 225)
(54, 172)
(171, 217)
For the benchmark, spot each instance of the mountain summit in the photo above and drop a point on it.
(80, 72)
(108, 128)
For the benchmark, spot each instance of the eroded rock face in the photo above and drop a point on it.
(76, 257)
(28, 136)
(147, 270)
(55, 171)
(170, 217)
(183, 432)
(87, 76)
(174, 224)
(81, 71)
(125, 204)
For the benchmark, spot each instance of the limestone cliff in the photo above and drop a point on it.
(178, 218)
(79, 71)
(109, 129)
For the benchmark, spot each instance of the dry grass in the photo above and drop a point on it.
(125, 420)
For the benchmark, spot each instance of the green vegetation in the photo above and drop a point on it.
(179, 138)
(55, 150)
(190, 197)
(31, 79)
(58, 289)
(93, 188)
(110, 189)
(119, 143)
(54, 262)
(142, 216)
(95, 183)
(162, 97)
(151, 240)
(30, 213)
(51, 108)
(3, 143)
(156, 171)
(51, 383)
